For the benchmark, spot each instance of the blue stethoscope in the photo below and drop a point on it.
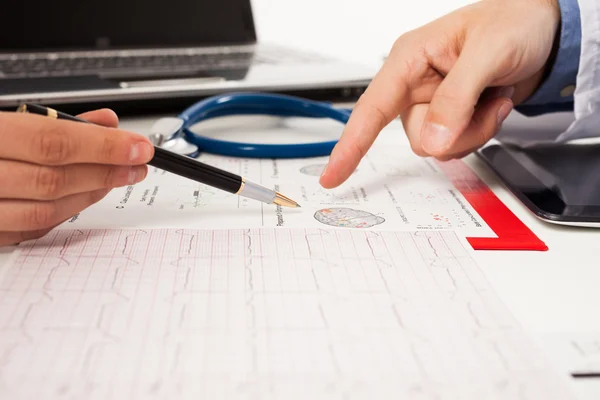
(175, 134)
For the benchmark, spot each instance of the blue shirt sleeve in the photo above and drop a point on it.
(556, 91)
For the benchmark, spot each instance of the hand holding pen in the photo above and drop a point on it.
(189, 168)
(52, 169)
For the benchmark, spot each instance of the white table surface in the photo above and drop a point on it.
(551, 293)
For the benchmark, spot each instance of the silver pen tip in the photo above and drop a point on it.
(283, 201)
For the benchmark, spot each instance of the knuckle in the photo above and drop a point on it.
(447, 97)
(108, 149)
(441, 50)
(403, 40)
(415, 71)
(54, 146)
(50, 182)
(378, 115)
(451, 103)
(40, 215)
(359, 149)
(110, 176)
(381, 116)
(398, 43)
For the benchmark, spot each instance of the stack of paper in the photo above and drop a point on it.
(391, 190)
(366, 292)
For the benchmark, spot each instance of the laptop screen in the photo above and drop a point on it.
(82, 24)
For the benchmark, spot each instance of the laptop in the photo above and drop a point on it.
(109, 52)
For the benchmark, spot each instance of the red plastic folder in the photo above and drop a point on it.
(512, 233)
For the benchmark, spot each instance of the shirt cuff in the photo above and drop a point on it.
(557, 90)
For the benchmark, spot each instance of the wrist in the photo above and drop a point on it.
(558, 77)
(555, 44)
(553, 6)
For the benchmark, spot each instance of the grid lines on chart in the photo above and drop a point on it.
(259, 313)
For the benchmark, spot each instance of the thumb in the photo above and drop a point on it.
(104, 117)
(453, 103)
(485, 124)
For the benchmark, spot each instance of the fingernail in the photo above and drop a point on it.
(435, 137)
(505, 109)
(140, 152)
(135, 175)
(507, 91)
(132, 176)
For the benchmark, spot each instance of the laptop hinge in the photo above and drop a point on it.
(131, 52)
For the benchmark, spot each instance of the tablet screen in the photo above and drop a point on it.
(559, 179)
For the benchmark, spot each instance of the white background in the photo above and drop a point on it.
(360, 31)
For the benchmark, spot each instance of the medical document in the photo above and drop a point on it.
(265, 313)
(392, 189)
(578, 353)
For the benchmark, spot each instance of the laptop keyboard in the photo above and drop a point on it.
(60, 66)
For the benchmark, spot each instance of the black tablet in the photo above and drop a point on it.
(558, 182)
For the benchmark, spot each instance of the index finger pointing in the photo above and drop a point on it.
(42, 140)
(383, 100)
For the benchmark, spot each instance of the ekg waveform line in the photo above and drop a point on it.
(259, 314)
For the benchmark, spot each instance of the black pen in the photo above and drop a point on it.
(188, 167)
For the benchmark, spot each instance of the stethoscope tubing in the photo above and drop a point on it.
(259, 104)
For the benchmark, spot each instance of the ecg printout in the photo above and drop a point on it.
(576, 352)
(392, 189)
(269, 313)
